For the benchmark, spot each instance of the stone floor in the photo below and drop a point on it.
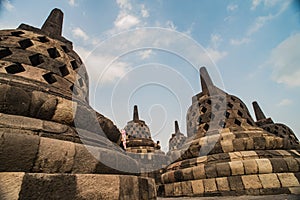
(268, 197)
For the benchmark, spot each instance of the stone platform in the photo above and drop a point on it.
(20, 185)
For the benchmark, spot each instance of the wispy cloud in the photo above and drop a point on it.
(72, 3)
(284, 61)
(285, 102)
(232, 7)
(241, 41)
(79, 33)
(8, 5)
(144, 11)
(213, 48)
(260, 21)
(170, 24)
(126, 21)
(145, 54)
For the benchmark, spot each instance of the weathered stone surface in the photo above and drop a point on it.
(209, 185)
(197, 187)
(223, 169)
(55, 156)
(47, 109)
(199, 172)
(65, 111)
(264, 166)
(269, 180)
(237, 168)
(43, 186)
(10, 185)
(84, 159)
(18, 152)
(235, 183)
(251, 182)
(90, 186)
(279, 165)
(222, 184)
(288, 180)
(250, 166)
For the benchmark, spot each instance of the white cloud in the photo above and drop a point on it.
(215, 54)
(7, 5)
(145, 54)
(124, 4)
(285, 102)
(72, 2)
(170, 25)
(79, 33)
(238, 42)
(215, 40)
(284, 61)
(260, 21)
(232, 7)
(144, 11)
(126, 21)
(98, 68)
(255, 3)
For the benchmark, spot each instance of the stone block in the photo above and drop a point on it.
(295, 190)
(239, 144)
(251, 182)
(264, 166)
(65, 111)
(223, 169)
(128, 187)
(169, 190)
(187, 174)
(209, 185)
(55, 156)
(250, 166)
(199, 172)
(249, 155)
(259, 142)
(235, 156)
(227, 145)
(269, 180)
(210, 170)
(279, 165)
(222, 184)
(235, 183)
(177, 189)
(18, 152)
(288, 180)
(197, 187)
(85, 159)
(10, 185)
(292, 164)
(186, 187)
(43, 186)
(237, 167)
(93, 186)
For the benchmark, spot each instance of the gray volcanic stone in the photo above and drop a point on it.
(18, 152)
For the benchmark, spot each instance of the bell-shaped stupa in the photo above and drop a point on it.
(226, 153)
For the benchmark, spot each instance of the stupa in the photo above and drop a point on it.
(176, 141)
(53, 144)
(226, 153)
(143, 149)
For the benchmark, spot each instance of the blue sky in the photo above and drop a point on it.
(251, 49)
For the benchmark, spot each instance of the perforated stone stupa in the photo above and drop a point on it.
(53, 145)
(176, 141)
(227, 153)
(142, 148)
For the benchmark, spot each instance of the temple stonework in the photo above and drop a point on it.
(227, 153)
(54, 145)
